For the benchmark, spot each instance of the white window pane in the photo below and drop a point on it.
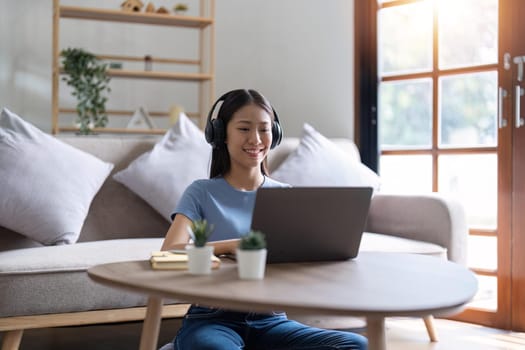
(487, 295)
(405, 114)
(468, 108)
(405, 38)
(482, 252)
(405, 173)
(477, 41)
(473, 180)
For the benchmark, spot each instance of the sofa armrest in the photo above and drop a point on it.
(430, 218)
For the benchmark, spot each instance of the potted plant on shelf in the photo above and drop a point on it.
(200, 254)
(251, 255)
(87, 76)
(180, 9)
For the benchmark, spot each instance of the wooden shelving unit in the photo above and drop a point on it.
(133, 17)
(206, 72)
(122, 73)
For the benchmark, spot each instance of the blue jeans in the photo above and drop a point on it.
(206, 329)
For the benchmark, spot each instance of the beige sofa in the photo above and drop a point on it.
(47, 286)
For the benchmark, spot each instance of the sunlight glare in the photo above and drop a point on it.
(467, 32)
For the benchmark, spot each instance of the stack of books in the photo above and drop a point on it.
(175, 260)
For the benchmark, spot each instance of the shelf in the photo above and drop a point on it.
(123, 73)
(154, 59)
(133, 17)
(115, 130)
(128, 113)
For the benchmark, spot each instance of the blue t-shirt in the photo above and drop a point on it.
(230, 210)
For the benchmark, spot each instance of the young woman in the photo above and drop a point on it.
(245, 129)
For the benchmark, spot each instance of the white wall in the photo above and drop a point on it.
(299, 53)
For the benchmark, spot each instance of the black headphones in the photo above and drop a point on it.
(215, 132)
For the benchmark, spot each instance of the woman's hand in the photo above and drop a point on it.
(178, 237)
(227, 246)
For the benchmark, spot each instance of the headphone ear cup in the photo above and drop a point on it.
(277, 132)
(208, 132)
(214, 132)
(277, 135)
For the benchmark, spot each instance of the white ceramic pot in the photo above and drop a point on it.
(251, 264)
(199, 259)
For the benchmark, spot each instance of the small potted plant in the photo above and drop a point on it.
(199, 254)
(251, 255)
(180, 9)
(88, 78)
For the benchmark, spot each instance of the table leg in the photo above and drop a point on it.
(12, 339)
(151, 327)
(375, 331)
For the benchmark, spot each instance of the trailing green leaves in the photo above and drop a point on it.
(87, 76)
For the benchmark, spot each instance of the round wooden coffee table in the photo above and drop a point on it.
(374, 285)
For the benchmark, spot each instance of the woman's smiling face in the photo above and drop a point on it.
(249, 136)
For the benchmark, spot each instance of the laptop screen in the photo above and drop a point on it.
(311, 223)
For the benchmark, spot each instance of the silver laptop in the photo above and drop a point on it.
(311, 223)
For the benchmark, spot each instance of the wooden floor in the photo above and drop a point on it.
(402, 334)
(410, 334)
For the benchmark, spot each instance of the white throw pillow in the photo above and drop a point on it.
(317, 161)
(161, 175)
(46, 186)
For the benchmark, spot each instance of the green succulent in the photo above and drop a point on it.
(180, 7)
(200, 231)
(253, 240)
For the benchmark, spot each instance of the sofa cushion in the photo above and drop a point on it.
(75, 257)
(376, 242)
(46, 186)
(53, 279)
(317, 161)
(279, 154)
(161, 175)
(116, 211)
